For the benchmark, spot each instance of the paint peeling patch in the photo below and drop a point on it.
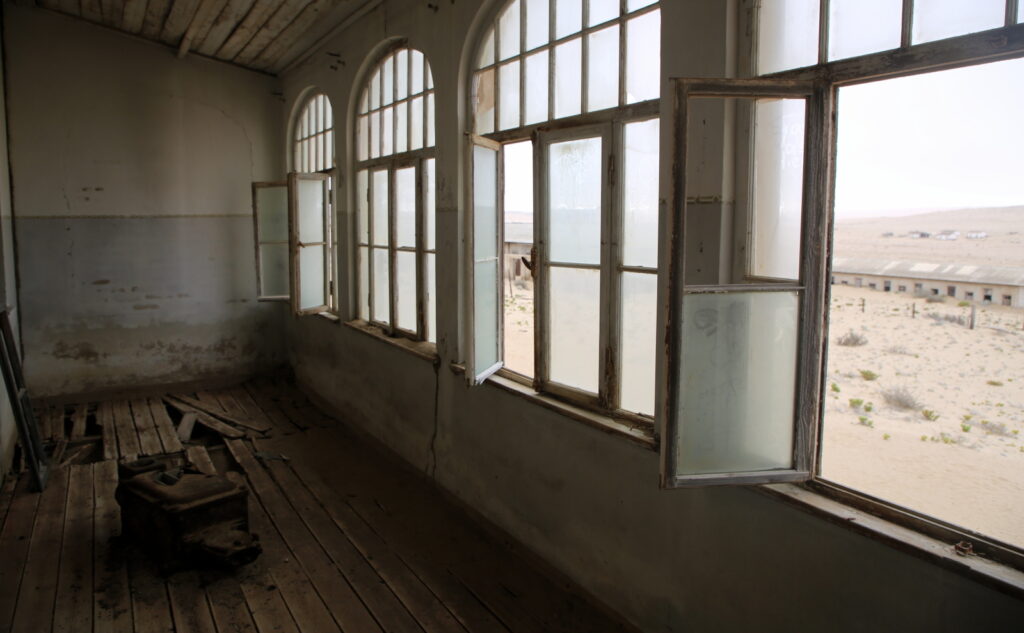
(145, 306)
(79, 351)
(101, 282)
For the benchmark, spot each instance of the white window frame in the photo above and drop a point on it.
(261, 292)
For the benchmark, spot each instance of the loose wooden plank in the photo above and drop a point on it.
(78, 421)
(206, 420)
(127, 438)
(212, 404)
(189, 606)
(198, 457)
(164, 427)
(15, 538)
(251, 410)
(105, 418)
(344, 605)
(112, 609)
(149, 440)
(185, 427)
(281, 421)
(74, 585)
(133, 14)
(34, 611)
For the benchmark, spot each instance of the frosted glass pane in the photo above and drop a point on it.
(402, 74)
(381, 285)
(310, 200)
(311, 277)
(431, 315)
(568, 82)
(328, 149)
(388, 132)
(328, 114)
(859, 27)
(508, 31)
(416, 116)
(429, 201)
(787, 35)
(430, 120)
(388, 85)
(379, 208)
(574, 185)
(640, 194)
(633, 5)
(738, 381)
(485, 313)
(639, 341)
(405, 282)
(939, 19)
(416, 63)
(536, 88)
(643, 57)
(375, 135)
(568, 17)
(405, 206)
(778, 187)
(364, 102)
(272, 213)
(537, 23)
(603, 69)
(575, 326)
(508, 78)
(363, 207)
(487, 50)
(274, 270)
(1020, 12)
(364, 283)
(375, 91)
(485, 202)
(601, 11)
(401, 128)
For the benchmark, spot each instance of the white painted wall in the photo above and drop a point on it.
(715, 559)
(132, 200)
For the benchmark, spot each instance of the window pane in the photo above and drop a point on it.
(380, 208)
(329, 147)
(508, 31)
(643, 57)
(574, 185)
(416, 63)
(375, 90)
(274, 270)
(405, 281)
(778, 187)
(388, 131)
(402, 74)
(485, 308)
(737, 384)
(363, 207)
(416, 116)
(536, 88)
(388, 84)
(633, 5)
(364, 103)
(787, 35)
(381, 286)
(537, 23)
(640, 194)
(639, 341)
(568, 83)
(485, 208)
(487, 50)
(272, 213)
(603, 69)
(375, 135)
(364, 283)
(310, 201)
(518, 282)
(485, 259)
(858, 27)
(431, 299)
(602, 11)
(939, 19)
(401, 128)
(574, 300)
(405, 206)
(508, 77)
(311, 279)
(430, 120)
(429, 201)
(568, 17)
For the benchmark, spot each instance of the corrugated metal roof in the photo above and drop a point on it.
(926, 270)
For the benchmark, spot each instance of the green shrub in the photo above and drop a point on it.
(867, 374)
(929, 415)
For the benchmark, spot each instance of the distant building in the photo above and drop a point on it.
(919, 235)
(976, 235)
(947, 235)
(985, 284)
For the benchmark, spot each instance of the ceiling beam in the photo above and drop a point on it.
(201, 23)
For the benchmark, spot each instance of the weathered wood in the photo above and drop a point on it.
(259, 13)
(188, 422)
(6, 496)
(344, 605)
(34, 611)
(281, 421)
(189, 607)
(206, 420)
(15, 538)
(112, 609)
(156, 13)
(133, 15)
(127, 438)
(198, 457)
(214, 407)
(78, 421)
(73, 606)
(71, 456)
(112, 11)
(164, 426)
(274, 51)
(151, 608)
(71, 7)
(232, 13)
(149, 440)
(227, 604)
(200, 25)
(92, 11)
(105, 419)
(248, 408)
(269, 611)
(279, 19)
(178, 18)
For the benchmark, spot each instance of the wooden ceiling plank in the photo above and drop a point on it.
(201, 23)
(275, 50)
(92, 11)
(71, 7)
(257, 17)
(178, 18)
(112, 10)
(232, 13)
(336, 21)
(280, 20)
(156, 13)
(50, 4)
(133, 15)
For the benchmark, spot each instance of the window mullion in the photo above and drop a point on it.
(907, 26)
(540, 268)
(370, 241)
(421, 231)
(609, 317)
(392, 253)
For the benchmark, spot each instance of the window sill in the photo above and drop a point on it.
(423, 349)
(330, 316)
(639, 434)
(993, 574)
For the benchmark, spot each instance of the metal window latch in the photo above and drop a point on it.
(529, 262)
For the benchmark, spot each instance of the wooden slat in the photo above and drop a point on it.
(281, 421)
(232, 13)
(78, 420)
(258, 15)
(201, 24)
(151, 607)
(164, 426)
(112, 609)
(250, 409)
(92, 11)
(269, 611)
(74, 585)
(15, 538)
(127, 438)
(278, 21)
(272, 57)
(149, 440)
(207, 420)
(133, 15)
(189, 606)
(105, 419)
(345, 606)
(71, 7)
(156, 13)
(178, 19)
(198, 457)
(6, 496)
(185, 427)
(34, 611)
(213, 404)
(112, 11)
(230, 613)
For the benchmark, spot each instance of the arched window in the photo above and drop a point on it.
(395, 246)
(562, 273)
(314, 136)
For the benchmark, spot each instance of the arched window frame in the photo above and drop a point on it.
(393, 173)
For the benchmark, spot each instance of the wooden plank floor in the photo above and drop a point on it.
(353, 541)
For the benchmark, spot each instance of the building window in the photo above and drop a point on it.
(576, 205)
(394, 190)
(902, 288)
(950, 291)
(1007, 300)
(887, 286)
(986, 295)
(969, 296)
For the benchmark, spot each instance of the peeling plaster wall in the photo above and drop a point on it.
(132, 174)
(8, 290)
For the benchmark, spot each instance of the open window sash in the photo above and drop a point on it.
(270, 224)
(309, 204)
(483, 252)
(741, 399)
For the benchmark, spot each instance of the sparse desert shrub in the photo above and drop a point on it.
(951, 318)
(835, 387)
(924, 438)
(965, 427)
(935, 299)
(867, 374)
(852, 339)
(929, 415)
(865, 421)
(886, 436)
(897, 349)
(994, 383)
(855, 403)
(869, 406)
(963, 304)
(996, 428)
(901, 398)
